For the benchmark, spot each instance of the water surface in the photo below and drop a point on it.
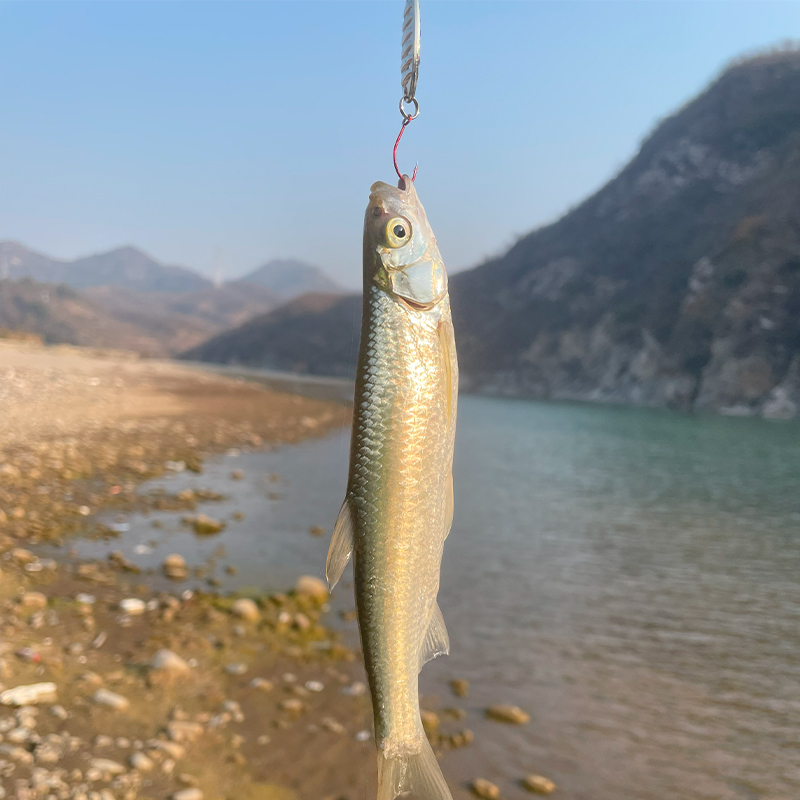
(629, 577)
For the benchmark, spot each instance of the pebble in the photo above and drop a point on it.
(459, 687)
(184, 731)
(85, 599)
(59, 712)
(106, 766)
(246, 609)
(480, 787)
(355, 689)
(236, 669)
(174, 566)
(363, 736)
(310, 586)
(133, 606)
(332, 725)
(105, 697)
(292, 705)
(237, 474)
(22, 556)
(188, 780)
(262, 684)
(316, 530)
(314, 686)
(140, 762)
(538, 784)
(192, 793)
(430, 722)
(34, 600)
(513, 715)
(166, 661)
(28, 695)
(205, 525)
(101, 741)
(172, 749)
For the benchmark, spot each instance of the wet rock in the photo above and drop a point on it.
(246, 609)
(132, 606)
(459, 687)
(430, 722)
(165, 661)
(192, 793)
(184, 731)
(107, 766)
(105, 697)
(29, 695)
(309, 586)
(174, 567)
(482, 788)
(33, 600)
(140, 762)
(538, 784)
(513, 715)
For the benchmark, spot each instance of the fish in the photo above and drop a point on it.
(398, 506)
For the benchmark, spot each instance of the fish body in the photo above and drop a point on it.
(399, 502)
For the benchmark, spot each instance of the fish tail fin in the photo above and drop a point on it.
(414, 776)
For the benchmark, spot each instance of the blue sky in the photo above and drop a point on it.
(229, 133)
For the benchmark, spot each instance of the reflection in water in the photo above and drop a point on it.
(628, 577)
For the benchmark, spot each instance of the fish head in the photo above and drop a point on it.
(400, 252)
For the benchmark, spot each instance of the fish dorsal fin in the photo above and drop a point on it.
(341, 545)
(449, 504)
(436, 641)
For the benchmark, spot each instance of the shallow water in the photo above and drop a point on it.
(631, 578)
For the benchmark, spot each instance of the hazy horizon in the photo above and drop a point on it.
(225, 135)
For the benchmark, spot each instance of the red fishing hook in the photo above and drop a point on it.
(406, 119)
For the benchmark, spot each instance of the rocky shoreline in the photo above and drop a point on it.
(112, 688)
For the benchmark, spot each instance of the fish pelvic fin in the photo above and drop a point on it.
(413, 776)
(437, 640)
(341, 545)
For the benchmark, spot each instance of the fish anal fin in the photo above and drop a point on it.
(449, 504)
(341, 545)
(436, 641)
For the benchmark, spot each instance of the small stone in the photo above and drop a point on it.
(262, 740)
(106, 766)
(91, 679)
(309, 586)
(538, 784)
(301, 622)
(314, 686)
(332, 725)
(205, 525)
(262, 684)
(363, 736)
(59, 712)
(132, 606)
(174, 566)
(33, 600)
(459, 687)
(513, 715)
(293, 705)
(172, 749)
(29, 695)
(140, 762)
(246, 609)
(105, 697)
(184, 731)
(185, 779)
(101, 741)
(192, 793)
(430, 722)
(236, 669)
(106, 794)
(166, 661)
(237, 474)
(316, 530)
(22, 556)
(480, 787)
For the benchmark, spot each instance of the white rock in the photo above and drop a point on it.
(132, 605)
(140, 762)
(29, 695)
(192, 793)
(167, 661)
(105, 697)
(106, 766)
(246, 609)
(312, 587)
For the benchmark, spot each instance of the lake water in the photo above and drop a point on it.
(629, 577)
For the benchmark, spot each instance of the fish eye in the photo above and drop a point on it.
(398, 232)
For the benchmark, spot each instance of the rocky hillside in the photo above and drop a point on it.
(284, 340)
(677, 284)
(290, 278)
(61, 315)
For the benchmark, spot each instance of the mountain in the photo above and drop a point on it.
(677, 283)
(283, 340)
(62, 315)
(290, 278)
(125, 266)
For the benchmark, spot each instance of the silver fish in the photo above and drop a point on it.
(399, 503)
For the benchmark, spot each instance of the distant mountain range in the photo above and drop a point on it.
(677, 283)
(165, 309)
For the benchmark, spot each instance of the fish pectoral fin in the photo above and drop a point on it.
(436, 641)
(449, 505)
(341, 545)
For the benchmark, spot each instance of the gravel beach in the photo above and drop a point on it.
(112, 688)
